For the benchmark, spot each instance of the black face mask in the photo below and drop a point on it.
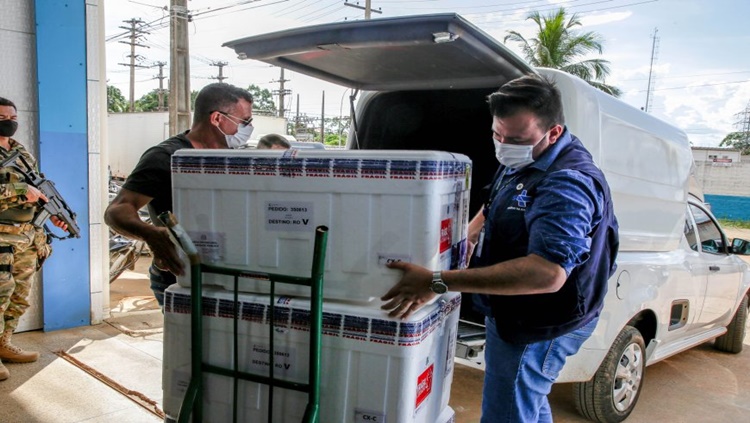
(8, 128)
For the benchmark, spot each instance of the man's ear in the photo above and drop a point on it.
(555, 133)
(214, 118)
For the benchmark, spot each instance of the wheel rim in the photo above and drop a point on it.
(628, 377)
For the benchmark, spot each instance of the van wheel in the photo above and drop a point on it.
(731, 341)
(611, 394)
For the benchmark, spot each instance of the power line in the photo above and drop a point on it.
(318, 16)
(331, 4)
(694, 86)
(697, 75)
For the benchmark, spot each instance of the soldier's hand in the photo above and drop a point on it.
(59, 223)
(165, 252)
(33, 195)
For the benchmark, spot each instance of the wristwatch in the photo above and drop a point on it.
(438, 286)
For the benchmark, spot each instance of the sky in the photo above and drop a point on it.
(700, 72)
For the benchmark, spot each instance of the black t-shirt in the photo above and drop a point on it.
(152, 175)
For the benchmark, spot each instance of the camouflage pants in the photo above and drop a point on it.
(19, 258)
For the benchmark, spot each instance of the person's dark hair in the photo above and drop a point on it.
(5, 102)
(268, 141)
(218, 96)
(532, 93)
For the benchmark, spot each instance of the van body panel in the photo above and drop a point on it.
(647, 162)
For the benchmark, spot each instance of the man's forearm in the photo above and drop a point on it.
(522, 276)
(124, 219)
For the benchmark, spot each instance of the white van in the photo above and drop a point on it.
(424, 83)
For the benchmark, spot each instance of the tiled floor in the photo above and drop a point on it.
(701, 385)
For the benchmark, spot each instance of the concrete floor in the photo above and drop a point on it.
(123, 382)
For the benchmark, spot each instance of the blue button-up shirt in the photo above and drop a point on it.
(566, 207)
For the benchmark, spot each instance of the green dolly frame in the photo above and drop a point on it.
(192, 404)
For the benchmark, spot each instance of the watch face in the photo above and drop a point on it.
(439, 287)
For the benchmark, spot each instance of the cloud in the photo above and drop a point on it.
(604, 18)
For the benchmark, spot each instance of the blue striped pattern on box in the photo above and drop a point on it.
(361, 328)
(321, 167)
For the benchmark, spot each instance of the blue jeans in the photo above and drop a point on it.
(160, 281)
(518, 378)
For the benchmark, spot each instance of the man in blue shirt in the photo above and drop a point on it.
(546, 242)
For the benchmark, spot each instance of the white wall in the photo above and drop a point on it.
(130, 134)
(717, 155)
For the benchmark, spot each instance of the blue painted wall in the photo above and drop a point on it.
(63, 153)
(729, 207)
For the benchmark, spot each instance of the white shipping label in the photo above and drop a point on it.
(364, 416)
(384, 258)
(284, 360)
(210, 245)
(289, 216)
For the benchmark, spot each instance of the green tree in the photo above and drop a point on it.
(262, 100)
(150, 101)
(335, 139)
(738, 140)
(557, 45)
(116, 102)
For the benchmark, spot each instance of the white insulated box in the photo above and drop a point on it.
(373, 368)
(258, 209)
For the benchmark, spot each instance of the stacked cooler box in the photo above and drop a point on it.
(257, 209)
(373, 368)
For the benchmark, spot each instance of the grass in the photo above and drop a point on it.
(732, 223)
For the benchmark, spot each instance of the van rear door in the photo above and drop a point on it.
(441, 51)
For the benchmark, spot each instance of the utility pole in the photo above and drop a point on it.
(282, 93)
(179, 71)
(135, 35)
(367, 8)
(743, 123)
(323, 120)
(651, 76)
(220, 65)
(161, 77)
(296, 119)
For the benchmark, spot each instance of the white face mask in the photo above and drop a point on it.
(241, 137)
(515, 156)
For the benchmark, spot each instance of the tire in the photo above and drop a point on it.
(732, 341)
(610, 396)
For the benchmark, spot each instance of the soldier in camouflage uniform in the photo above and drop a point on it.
(23, 246)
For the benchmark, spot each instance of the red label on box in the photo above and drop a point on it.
(445, 235)
(424, 385)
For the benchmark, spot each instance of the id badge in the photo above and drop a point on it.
(480, 243)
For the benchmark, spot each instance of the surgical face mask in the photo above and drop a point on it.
(515, 156)
(8, 128)
(241, 137)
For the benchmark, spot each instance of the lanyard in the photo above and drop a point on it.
(497, 186)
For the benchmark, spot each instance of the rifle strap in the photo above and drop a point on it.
(6, 249)
(6, 268)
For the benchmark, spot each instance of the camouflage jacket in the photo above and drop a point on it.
(12, 185)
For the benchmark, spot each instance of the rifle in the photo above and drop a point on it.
(55, 205)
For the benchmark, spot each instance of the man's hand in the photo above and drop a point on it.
(411, 293)
(59, 223)
(164, 251)
(33, 195)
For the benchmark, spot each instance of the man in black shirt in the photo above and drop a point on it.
(221, 119)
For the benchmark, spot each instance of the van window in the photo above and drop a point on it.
(709, 235)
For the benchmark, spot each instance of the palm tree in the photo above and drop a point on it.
(558, 46)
